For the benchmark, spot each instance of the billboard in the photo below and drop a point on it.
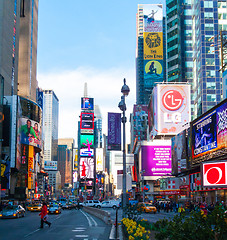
(86, 167)
(87, 121)
(87, 103)
(114, 131)
(5, 171)
(99, 159)
(171, 108)
(153, 72)
(87, 145)
(214, 174)
(75, 160)
(50, 165)
(30, 132)
(153, 17)
(178, 151)
(209, 134)
(153, 45)
(140, 121)
(156, 158)
(30, 166)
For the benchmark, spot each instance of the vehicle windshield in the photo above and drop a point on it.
(10, 207)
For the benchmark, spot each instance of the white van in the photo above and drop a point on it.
(109, 204)
(91, 203)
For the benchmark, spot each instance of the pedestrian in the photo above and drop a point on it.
(181, 210)
(43, 215)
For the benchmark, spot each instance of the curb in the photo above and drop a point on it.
(113, 231)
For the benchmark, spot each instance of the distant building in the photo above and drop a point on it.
(55, 180)
(50, 125)
(65, 160)
(98, 120)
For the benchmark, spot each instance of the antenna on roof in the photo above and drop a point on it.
(85, 90)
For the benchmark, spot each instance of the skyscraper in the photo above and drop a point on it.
(28, 49)
(150, 51)
(98, 120)
(193, 47)
(50, 125)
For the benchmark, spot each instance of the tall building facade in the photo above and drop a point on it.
(98, 120)
(193, 49)
(50, 124)
(27, 67)
(9, 45)
(150, 50)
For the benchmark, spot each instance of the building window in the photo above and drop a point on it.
(208, 4)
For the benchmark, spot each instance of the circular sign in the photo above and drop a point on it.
(146, 188)
(213, 175)
(172, 100)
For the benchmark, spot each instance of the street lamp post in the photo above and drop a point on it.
(125, 91)
(142, 172)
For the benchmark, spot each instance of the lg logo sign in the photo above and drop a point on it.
(172, 100)
(214, 174)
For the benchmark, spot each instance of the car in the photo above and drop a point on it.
(12, 211)
(35, 207)
(91, 203)
(109, 204)
(147, 207)
(54, 209)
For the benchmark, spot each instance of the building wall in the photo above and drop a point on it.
(28, 49)
(9, 44)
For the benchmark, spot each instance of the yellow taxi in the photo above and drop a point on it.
(147, 207)
(36, 207)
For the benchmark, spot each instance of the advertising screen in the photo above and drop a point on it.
(214, 174)
(86, 153)
(87, 103)
(99, 159)
(30, 132)
(178, 150)
(153, 17)
(5, 171)
(153, 72)
(86, 167)
(171, 109)
(87, 145)
(114, 131)
(156, 158)
(75, 160)
(87, 121)
(209, 134)
(140, 117)
(50, 165)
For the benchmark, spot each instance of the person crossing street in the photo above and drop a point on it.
(43, 215)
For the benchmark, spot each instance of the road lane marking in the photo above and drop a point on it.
(81, 236)
(78, 230)
(96, 224)
(32, 233)
(88, 219)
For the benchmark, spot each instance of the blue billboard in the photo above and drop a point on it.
(87, 103)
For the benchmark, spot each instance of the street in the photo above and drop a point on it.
(69, 225)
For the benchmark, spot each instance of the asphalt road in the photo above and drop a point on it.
(69, 225)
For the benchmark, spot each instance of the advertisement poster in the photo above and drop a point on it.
(87, 121)
(87, 145)
(86, 167)
(153, 45)
(156, 160)
(153, 17)
(209, 135)
(30, 132)
(87, 103)
(5, 171)
(99, 159)
(50, 165)
(178, 150)
(30, 166)
(153, 72)
(114, 131)
(140, 118)
(172, 108)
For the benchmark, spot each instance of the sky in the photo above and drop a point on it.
(91, 42)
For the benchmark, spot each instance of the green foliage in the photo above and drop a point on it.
(195, 226)
(132, 212)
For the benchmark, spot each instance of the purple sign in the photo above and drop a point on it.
(114, 131)
(156, 160)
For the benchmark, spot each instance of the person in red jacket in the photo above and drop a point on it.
(43, 215)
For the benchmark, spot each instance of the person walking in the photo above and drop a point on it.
(43, 215)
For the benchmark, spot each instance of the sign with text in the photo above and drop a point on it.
(114, 131)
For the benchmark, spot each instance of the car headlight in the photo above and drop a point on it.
(14, 214)
(57, 211)
(0, 215)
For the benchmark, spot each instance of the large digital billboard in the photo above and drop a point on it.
(50, 165)
(87, 121)
(114, 131)
(209, 134)
(156, 158)
(86, 167)
(140, 121)
(99, 159)
(30, 132)
(178, 150)
(153, 72)
(87, 103)
(171, 108)
(86, 145)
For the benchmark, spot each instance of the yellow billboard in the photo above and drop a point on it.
(153, 45)
(30, 166)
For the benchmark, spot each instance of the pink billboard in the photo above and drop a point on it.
(156, 158)
(171, 108)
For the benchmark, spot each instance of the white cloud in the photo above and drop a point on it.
(103, 86)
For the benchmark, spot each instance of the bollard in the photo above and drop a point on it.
(116, 224)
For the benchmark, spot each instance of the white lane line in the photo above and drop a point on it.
(81, 235)
(96, 224)
(32, 233)
(78, 230)
(88, 219)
